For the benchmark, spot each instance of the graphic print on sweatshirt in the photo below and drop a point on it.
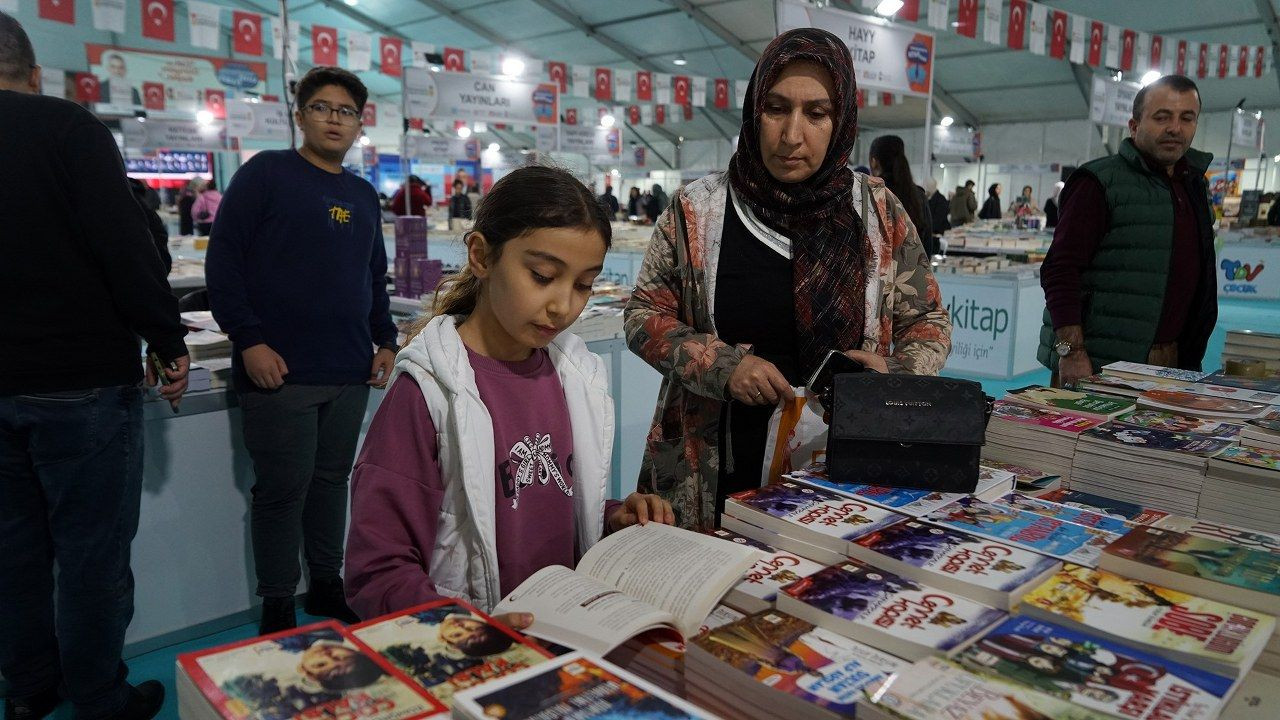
(533, 459)
(340, 214)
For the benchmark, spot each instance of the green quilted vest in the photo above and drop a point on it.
(1123, 289)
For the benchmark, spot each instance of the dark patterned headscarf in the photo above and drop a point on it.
(829, 247)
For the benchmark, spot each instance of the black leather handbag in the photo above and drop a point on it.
(906, 431)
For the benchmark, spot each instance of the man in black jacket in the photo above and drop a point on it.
(80, 280)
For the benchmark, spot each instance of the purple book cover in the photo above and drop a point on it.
(1149, 439)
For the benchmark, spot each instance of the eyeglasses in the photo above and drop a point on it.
(346, 115)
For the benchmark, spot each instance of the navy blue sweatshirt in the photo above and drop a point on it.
(296, 261)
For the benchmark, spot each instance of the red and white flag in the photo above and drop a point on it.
(722, 94)
(1096, 41)
(88, 89)
(389, 53)
(1058, 35)
(247, 33)
(644, 86)
(1127, 42)
(153, 95)
(369, 116)
(1242, 63)
(603, 84)
(687, 112)
(886, 99)
(157, 19)
(680, 87)
(862, 98)
(660, 115)
(633, 114)
(215, 101)
(455, 59)
(1017, 25)
(1181, 66)
(910, 11)
(63, 11)
(571, 116)
(967, 18)
(1259, 61)
(558, 72)
(1224, 60)
(324, 45)
(1157, 51)
(1202, 60)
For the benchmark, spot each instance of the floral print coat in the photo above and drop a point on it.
(670, 323)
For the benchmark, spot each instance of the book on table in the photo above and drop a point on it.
(1214, 569)
(1132, 512)
(448, 646)
(935, 689)
(1202, 406)
(813, 515)
(1255, 699)
(1026, 479)
(1098, 407)
(1170, 422)
(1263, 384)
(645, 577)
(1105, 383)
(1031, 531)
(1094, 672)
(992, 483)
(886, 611)
(822, 555)
(1215, 637)
(1242, 487)
(980, 569)
(1144, 371)
(1262, 434)
(1253, 539)
(1066, 513)
(774, 665)
(577, 686)
(1034, 437)
(312, 671)
(774, 569)
(659, 658)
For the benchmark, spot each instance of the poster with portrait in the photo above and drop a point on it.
(126, 75)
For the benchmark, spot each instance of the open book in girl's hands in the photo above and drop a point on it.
(645, 577)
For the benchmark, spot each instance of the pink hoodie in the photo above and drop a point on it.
(208, 201)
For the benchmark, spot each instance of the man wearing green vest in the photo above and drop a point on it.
(1130, 273)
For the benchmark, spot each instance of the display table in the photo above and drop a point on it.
(995, 323)
(1241, 265)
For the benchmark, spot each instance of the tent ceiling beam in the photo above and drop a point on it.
(700, 16)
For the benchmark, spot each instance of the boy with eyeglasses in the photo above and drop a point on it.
(297, 276)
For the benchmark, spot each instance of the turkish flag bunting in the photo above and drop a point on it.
(369, 116)
(886, 99)
(1259, 61)
(660, 114)
(604, 84)
(1095, 44)
(416, 123)
(1017, 24)
(247, 37)
(215, 101)
(88, 89)
(1181, 68)
(910, 11)
(680, 84)
(153, 95)
(1058, 36)
(324, 45)
(63, 11)
(644, 85)
(633, 114)
(1128, 38)
(1157, 51)
(558, 72)
(967, 18)
(389, 50)
(862, 98)
(571, 116)
(722, 94)
(1202, 66)
(687, 111)
(157, 19)
(455, 60)
(1242, 66)
(1224, 55)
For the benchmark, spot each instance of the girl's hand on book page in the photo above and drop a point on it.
(642, 509)
(516, 620)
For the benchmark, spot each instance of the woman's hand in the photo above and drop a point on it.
(871, 360)
(516, 620)
(759, 382)
(642, 509)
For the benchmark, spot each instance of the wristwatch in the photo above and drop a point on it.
(1064, 348)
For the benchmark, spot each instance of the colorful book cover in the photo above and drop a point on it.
(904, 500)
(934, 689)
(1255, 539)
(1038, 533)
(1116, 381)
(1156, 371)
(1095, 672)
(1156, 616)
(1069, 401)
(980, 562)
(1253, 457)
(1132, 512)
(1147, 439)
(1235, 393)
(818, 510)
(1202, 557)
(1271, 425)
(578, 687)
(1088, 518)
(1024, 476)
(1023, 415)
(720, 616)
(883, 601)
(1192, 403)
(774, 569)
(795, 657)
(447, 646)
(1222, 379)
(1168, 422)
(309, 672)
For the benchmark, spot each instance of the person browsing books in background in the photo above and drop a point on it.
(1130, 273)
(489, 457)
(459, 203)
(419, 198)
(297, 277)
(754, 274)
(205, 208)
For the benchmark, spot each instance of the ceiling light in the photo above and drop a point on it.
(464, 132)
(364, 141)
(942, 165)
(680, 60)
(607, 121)
(512, 66)
(1150, 76)
(889, 8)
(614, 172)
(1257, 115)
(494, 147)
(435, 68)
(351, 3)
(204, 117)
(946, 121)
(1118, 77)
(1276, 158)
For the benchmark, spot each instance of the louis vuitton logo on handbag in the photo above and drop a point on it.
(908, 403)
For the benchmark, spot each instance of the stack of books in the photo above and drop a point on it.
(207, 345)
(1202, 405)
(1031, 481)
(759, 589)
(1133, 512)
(773, 665)
(992, 483)
(1033, 531)
(1035, 437)
(1164, 376)
(1141, 465)
(1244, 345)
(1261, 434)
(1242, 486)
(1169, 422)
(1097, 407)
(660, 658)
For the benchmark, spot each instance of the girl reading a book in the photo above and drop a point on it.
(489, 456)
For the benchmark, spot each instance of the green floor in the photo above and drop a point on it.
(159, 664)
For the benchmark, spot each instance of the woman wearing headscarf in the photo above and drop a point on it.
(991, 208)
(754, 274)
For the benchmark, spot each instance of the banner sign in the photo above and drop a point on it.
(257, 120)
(124, 72)
(956, 142)
(460, 96)
(432, 149)
(599, 144)
(1247, 131)
(1242, 272)
(173, 134)
(886, 57)
(1112, 102)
